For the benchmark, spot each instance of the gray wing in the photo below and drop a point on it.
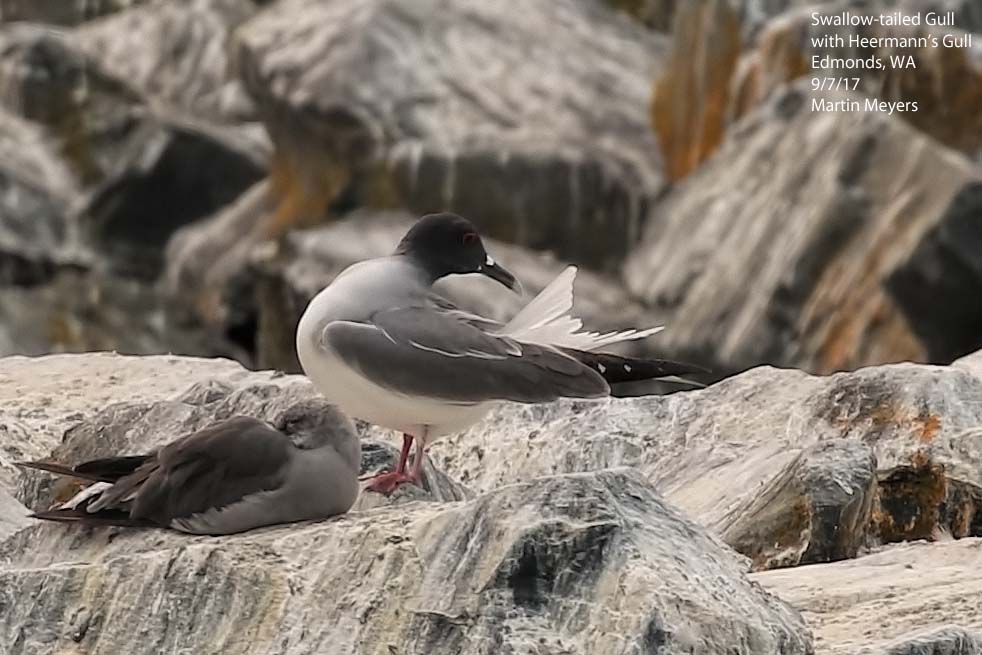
(435, 352)
(451, 310)
(212, 468)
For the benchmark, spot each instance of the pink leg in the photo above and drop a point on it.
(386, 483)
(407, 442)
(417, 473)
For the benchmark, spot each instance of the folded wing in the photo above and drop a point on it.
(213, 468)
(434, 352)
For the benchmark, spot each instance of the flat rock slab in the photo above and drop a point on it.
(890, 601)
(588, 563)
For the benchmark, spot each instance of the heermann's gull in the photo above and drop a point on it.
(231, 476)
(382, 346)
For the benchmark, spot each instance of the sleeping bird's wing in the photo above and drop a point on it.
(213, 468)
(435, 352)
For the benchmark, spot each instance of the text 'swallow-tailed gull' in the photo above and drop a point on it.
(382, 346)
(231, 476)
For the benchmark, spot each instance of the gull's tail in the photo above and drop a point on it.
(89, 506)
(616, 369)
(546, 320)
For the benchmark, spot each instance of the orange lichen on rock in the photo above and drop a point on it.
(304, 185)
(947, 86)
(889, 414)
(929, 426)
(691, 98)
(865, 327)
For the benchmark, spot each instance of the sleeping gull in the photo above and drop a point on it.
(383, 347)
(231, 476)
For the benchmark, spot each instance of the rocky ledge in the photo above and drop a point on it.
(620, 526)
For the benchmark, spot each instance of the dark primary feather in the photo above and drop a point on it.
(111, 469)
(106, 517)
(616, 369)
(60, 469)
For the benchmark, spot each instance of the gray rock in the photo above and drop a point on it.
(788, 247)
(947, 640)
(969, 16)
(971, 363)
(656, 14)
(588, 563)
(533, 122)
(905, 599)
(81, 311)
(146, 171)
(714, 452)
(818, 509)
(585, 563)
(37, 233)
(61, 12)
(90, 114)
(202, 260)
(176, 54)
(174, 172)
(13, 515)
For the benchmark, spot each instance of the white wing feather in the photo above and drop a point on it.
(552, 303)
(90, 491)
(546, 320)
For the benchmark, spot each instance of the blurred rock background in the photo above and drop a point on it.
(182, 176)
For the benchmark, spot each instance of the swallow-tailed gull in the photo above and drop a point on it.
(383, 347)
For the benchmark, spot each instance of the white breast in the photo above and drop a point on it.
(355, 298)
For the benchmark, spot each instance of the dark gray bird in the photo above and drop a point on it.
(231, 476)
(384, 348)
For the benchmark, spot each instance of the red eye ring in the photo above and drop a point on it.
(469, 238)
